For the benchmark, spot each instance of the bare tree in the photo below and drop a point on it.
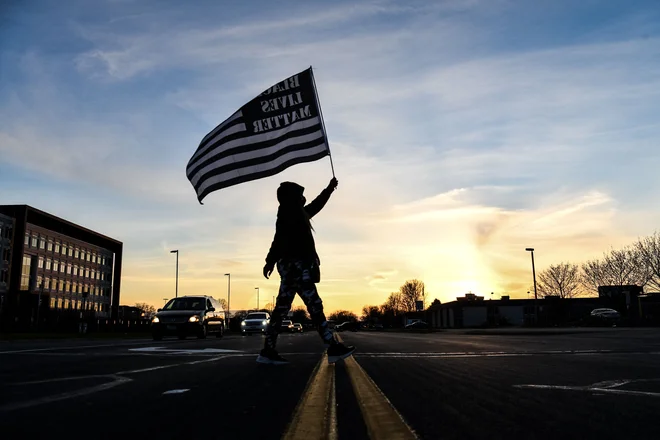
(223, 303)
(619, 267)
(343, 316)
(411, 292)
(371, 314)
(145, 308)
(649, 249)
(393, 304)
(561, 279)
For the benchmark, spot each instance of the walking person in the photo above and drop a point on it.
(294, 252)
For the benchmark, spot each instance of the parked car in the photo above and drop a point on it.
(604, 316)
(352, 326)
(417, 325)
(297, 327)
(255, 322)
(287, 326)
(189, 315)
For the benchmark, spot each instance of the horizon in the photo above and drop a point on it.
(461, 132)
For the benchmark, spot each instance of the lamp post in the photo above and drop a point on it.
(536, 299)
(176, 291)
(227, 314)
(257, 289)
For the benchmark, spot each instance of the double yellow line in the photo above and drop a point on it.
(315, 416)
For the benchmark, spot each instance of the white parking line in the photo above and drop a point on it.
(35, 350)
(607, 387)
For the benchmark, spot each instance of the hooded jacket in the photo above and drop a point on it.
(293, 232)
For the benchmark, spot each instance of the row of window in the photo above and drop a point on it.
(72, 269)
(65, 249)
(77, 304)
(5, 231)
(66, 286)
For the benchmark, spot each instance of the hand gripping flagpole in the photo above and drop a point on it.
(325, 133)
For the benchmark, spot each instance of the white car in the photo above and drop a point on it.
(605, 314)
(255, 322)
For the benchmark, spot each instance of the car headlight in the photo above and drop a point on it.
(243, 324)
(193, 318)
(155, 319)
(264, 322)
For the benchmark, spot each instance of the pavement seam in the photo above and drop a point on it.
(381, 417)
(315, 415)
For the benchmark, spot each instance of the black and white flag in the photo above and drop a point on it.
(279, 128)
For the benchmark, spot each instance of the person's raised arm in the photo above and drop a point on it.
(319, 202)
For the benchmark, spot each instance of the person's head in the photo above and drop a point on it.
(291, 194)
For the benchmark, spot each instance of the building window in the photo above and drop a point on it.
(39, 279)
(86, 273)
(76, 253)
(25, 273)
(35, 241)
(57, 247)
(4, 276)
(49, 264)
(67, 286)
(93, 274)
(62, 267)
(47, 284)
(89, 257)
(75, 270)
(41, 262)
(6, 254)
(42, 243)
(27, 239)
(64, 249)
(82, 254)
(70, 251)
(68, 269)
(49, 248)
(56, 266)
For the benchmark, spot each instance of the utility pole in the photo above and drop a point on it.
(228, 312)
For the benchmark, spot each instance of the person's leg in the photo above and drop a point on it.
(312, 300)
(287, 292)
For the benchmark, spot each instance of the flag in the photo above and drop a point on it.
(279, 128)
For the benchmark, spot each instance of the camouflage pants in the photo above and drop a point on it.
(295, 278)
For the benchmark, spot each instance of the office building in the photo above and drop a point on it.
(72, 270)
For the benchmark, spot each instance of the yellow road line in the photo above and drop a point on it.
(315, 416)
(382, 419)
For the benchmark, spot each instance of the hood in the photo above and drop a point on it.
(289, 193)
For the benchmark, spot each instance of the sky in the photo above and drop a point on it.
(461, 131)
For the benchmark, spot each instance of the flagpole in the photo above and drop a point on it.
(325, 133)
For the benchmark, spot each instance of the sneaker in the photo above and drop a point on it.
(270, 356)
(339, 351)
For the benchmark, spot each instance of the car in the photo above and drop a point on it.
(255, 322)
(297, 327)
(352, 326)
(287, 326)
(189, 316)
(604, 316)
(417, 325)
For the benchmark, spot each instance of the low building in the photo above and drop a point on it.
(54, 269)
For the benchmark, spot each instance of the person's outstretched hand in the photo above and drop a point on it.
(333, 183)
(268, 270)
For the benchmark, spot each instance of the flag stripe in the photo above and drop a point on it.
(251, 152)
(274, 153)
(265, 170)
(235, 131)
(237, 144)
(221, 126)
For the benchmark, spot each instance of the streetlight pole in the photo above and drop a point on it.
(228, 313)
(257, 289)
(536, 299)
(176, 292)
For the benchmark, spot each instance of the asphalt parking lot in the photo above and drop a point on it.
(603, 383)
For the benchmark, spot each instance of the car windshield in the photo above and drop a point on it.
(186, 304)
(256, 316)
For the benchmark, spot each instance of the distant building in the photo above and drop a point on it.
(72, 269)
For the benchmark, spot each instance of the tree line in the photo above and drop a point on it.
(635, 264)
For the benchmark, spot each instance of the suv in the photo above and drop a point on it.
(255, 322)
(189, 315)
(287, 326)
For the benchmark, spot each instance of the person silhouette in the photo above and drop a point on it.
(294, 252)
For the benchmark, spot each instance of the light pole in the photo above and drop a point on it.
(536, 299)
(227, 314)
(176, 292)
(273, 303)
(257, 289)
